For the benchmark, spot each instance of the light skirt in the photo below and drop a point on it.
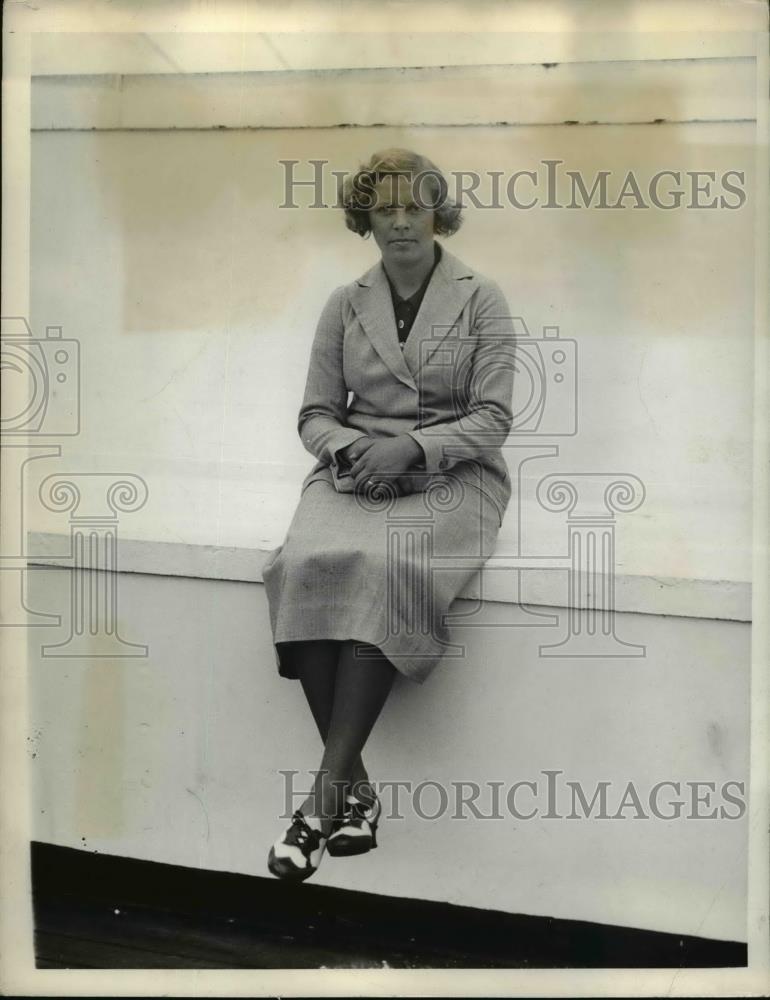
(379, 569)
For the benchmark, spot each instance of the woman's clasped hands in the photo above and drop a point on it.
(376, 460)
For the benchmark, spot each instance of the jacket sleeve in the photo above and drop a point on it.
(321, 421)
(482, 398)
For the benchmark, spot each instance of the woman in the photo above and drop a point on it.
(406, 499)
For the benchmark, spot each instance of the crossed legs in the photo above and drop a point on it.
(346, 694)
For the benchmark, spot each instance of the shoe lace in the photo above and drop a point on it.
(301, 834)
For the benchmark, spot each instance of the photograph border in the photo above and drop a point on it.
(18, 974)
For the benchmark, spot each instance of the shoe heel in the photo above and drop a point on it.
(374, 836)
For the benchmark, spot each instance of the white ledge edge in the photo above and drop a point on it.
(690, 598)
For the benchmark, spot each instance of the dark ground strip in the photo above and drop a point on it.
(99, 911)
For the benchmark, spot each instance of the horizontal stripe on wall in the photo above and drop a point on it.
(706, 90)
(81, 53)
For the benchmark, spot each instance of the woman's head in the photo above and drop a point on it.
(402, 189)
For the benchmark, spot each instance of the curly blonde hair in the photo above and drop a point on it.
(356, 191)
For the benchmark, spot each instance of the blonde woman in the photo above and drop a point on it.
(406, 407)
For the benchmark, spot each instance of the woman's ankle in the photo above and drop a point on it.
(326, 799)
(364, 790)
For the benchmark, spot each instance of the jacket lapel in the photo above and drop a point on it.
(450, 287)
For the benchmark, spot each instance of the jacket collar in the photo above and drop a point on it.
(450, 287)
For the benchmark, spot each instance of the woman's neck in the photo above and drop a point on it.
(407, 278)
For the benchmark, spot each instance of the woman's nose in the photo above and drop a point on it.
(400, 220)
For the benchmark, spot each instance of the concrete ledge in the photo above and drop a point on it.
(501, 582)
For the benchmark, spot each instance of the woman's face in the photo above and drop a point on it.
(402, 229)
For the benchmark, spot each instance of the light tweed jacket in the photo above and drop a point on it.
(450, 387)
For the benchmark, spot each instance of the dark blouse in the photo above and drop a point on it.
(405, 310)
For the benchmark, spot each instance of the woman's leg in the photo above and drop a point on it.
(315, 663)
(360, 691)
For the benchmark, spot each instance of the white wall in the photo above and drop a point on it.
(195, 297)
(176, 757)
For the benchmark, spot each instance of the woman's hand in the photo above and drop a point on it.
(346, 456)
(385, 456)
